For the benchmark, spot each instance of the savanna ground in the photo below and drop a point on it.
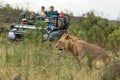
(32, 59)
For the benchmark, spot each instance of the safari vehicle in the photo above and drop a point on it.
(17, 31)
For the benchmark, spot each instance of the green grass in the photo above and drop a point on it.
(31, 59)
(41, 61)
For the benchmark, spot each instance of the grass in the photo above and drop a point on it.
(27, 60)
(30, 61)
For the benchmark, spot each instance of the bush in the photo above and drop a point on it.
(9, 14)
(97, 30)
(114, 40)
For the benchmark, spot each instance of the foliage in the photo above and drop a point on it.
(32, 59)
(114, 39)
(9, 14)
(96, 30)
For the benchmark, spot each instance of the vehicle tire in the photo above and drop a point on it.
(45, 37)
(11, 35)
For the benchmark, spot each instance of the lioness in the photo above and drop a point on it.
(81, 50)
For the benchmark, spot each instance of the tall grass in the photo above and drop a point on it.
(32, 59)
(32, 62)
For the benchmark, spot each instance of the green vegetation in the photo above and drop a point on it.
(9, 14)
(32, 59)
(97, 30)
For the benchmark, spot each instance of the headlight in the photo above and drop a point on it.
(11, 35)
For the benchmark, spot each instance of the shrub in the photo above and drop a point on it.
(95, 29)
(114, 40)
(9, 14)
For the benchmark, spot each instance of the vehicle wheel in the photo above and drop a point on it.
(45, 37)
(11, 35)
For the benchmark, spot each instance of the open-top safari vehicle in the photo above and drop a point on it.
(17, 31)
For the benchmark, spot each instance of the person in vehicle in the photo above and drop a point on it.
(31, 19)
(52, 12)
(50, 27)
(42, 13)
(62, 18)
(61, 14)
(24, 21)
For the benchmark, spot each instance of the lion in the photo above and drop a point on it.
(83, 51)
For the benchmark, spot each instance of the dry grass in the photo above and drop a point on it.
(28, 61)
(31, 62)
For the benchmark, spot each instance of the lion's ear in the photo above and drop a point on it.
(67, 36)
(64, 34)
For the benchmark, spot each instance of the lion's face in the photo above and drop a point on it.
(60, 45)
(62, 42)
(66, 41)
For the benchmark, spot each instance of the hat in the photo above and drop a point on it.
(24, 19)
(47, 20)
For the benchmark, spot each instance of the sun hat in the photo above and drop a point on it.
(47, 20)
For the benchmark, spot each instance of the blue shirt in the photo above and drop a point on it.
(51, 27)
